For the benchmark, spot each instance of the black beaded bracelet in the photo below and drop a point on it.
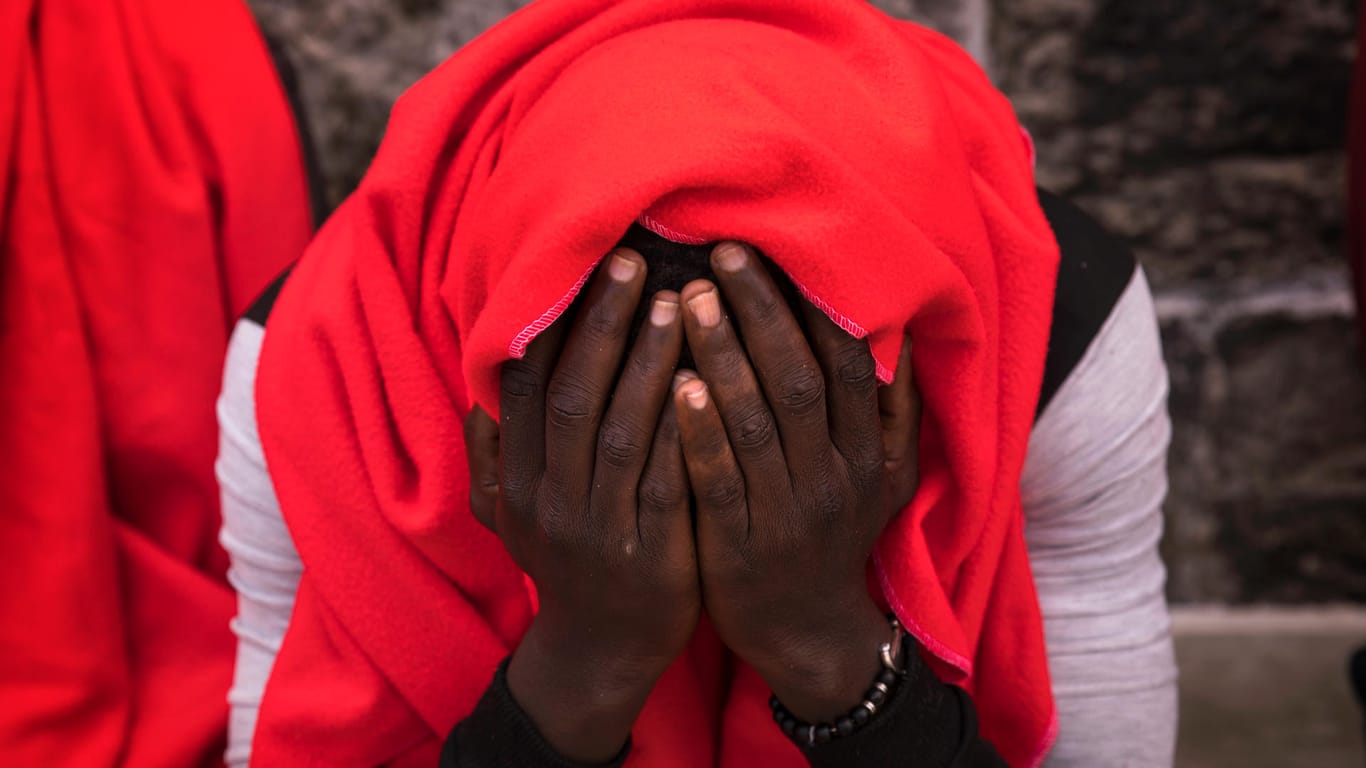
(810, 734)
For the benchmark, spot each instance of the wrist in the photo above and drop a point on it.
(582, 695)
(820, 675)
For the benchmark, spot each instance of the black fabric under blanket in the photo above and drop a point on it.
(925, 723)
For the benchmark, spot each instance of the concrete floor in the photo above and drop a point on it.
(1264, 688)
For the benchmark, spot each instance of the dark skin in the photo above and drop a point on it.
(792, 454)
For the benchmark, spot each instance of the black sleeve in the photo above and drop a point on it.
(926, 723)
(498, 734)
(1093, 272)
(931, 723)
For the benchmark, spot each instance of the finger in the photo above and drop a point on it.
(721, 362)
(900, 409)
(586, 370)
(789, 374)
(521, 413)
(850, 390)
(713, 475)
(481, 450)
(663, 497)
(628, 427)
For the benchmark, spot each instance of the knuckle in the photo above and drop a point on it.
(555, 536)
(831, 506)
(724, 492)
(558, 529)
(767, 309)
(641, 368)
(520, 381)
(603, 321)
(620, 444)
(800, 390)
(854, 366)
(828, 508)
(484, 486)
(568, 402)
(657, 494)
(732, 355)
(714, 445)
(754, 428)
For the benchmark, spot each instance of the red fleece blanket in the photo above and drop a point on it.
(150, 184)
(870, 158)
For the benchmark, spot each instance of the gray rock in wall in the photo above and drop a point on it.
(354, 58)
(1209, 135)
(1291, 457)
(1268, 460)
(967, 21)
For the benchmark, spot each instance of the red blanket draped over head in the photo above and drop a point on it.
(150, 184)
(870, 158)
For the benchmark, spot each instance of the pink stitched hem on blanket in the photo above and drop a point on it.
(517, 348)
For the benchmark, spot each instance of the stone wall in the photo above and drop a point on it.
(1206, 133)
(1209, 134)
(354, 58)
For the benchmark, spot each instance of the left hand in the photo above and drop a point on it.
(795, 470)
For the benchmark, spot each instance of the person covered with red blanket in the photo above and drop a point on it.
(663, 396)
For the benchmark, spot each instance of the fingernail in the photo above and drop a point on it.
(682, 377)
(706, 308)
(621, 268)
(696, 396)
(663, 312)
(731, 256)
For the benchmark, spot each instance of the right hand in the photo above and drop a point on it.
(585, 484)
